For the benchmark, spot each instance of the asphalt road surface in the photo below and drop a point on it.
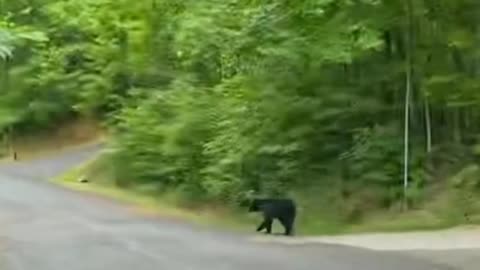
(45, 227)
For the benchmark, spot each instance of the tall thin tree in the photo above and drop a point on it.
(408, 91)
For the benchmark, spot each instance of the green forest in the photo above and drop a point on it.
(352, 107)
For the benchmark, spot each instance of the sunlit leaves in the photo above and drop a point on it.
(11, 36)
(221, 97)
(6, 43)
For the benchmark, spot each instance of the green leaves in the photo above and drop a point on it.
(261, 103)
(7, 40)
(6, 44)
(221, 97)
(11, 36)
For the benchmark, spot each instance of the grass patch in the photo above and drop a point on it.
(444, 210)
(145, 202)
(416, 220)
(317, 214)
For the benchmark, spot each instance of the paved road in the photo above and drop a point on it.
(45, 227)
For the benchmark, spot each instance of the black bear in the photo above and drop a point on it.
(282, 209)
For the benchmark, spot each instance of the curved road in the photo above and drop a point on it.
(45, 227)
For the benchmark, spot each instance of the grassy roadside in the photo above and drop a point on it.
(145, 203)
(437, 215)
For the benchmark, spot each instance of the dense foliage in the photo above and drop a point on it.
(217, 98)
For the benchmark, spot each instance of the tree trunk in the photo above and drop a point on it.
(428, 125)
(457, 135)
(408, 90)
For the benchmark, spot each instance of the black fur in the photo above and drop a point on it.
(282, 209)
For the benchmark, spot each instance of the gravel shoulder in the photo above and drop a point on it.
(443, 240)
(457, 248)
